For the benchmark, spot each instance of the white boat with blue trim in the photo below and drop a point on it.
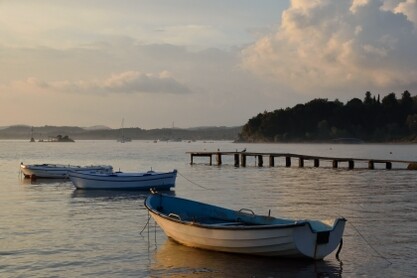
(215, 228)
(124, 180)
(58, 171)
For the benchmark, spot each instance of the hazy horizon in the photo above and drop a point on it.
(108, 127)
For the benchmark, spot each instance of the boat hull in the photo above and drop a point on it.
(58, 171)
(125, 181)
(295, 239)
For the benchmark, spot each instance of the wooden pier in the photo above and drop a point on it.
(240, 159)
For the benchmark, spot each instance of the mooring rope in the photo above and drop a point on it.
(147, 223)
(369, 244)
(194, 182)
(339, 249)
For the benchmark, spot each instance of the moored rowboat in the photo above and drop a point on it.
(58, 171)
(121, 180)
(215, 228)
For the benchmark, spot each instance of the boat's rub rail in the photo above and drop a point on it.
(316, 226)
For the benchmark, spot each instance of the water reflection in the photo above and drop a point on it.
(175, 260)
(40, 181)
(115, 194)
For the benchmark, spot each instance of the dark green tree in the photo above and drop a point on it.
(321, 119)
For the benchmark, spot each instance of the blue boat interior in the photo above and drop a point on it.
(199, 213)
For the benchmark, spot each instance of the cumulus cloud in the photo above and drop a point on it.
(408, 8)
(128, 82)
(326, 45)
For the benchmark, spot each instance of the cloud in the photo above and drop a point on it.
(66, 24)
(325, 45)
(129, 82)
(136, 82)
(408, 8)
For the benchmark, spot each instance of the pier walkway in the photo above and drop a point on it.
(240, 159)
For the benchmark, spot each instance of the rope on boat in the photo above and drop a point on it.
(369, 244)
(194, 182)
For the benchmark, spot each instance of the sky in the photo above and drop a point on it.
(189, 63)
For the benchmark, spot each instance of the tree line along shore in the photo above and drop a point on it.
(372, 120)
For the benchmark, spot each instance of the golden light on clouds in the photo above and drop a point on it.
(331, 45)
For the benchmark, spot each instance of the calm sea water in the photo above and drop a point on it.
(49, 229)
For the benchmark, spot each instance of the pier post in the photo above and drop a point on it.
(192, 159)
(316, 162)
(301, 162)
(371, 165)
(388, 165)
(335, 163)
(243, 160)
(287, 161)
(260, 160)
(412, 166)
(219, 158)
(271, 161)
(236, 160)
(351, 164)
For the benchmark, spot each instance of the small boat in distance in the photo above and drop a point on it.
(123, 138)
(57, 139)
(210, 227)
(31, 136)
(123, 181)
(58, 171)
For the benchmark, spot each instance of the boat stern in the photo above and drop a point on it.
(317, 239)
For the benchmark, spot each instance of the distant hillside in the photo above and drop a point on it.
(78, 133)
(97, 127)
